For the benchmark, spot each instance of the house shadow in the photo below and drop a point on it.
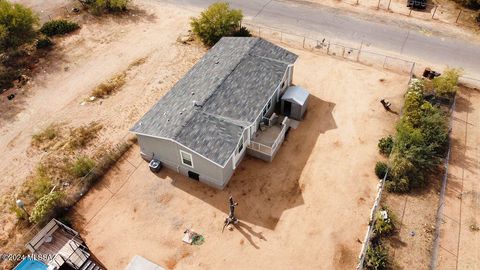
(265, 190)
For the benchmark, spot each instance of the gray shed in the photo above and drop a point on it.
(294, 102)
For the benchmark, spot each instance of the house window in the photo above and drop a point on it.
(186, 158)
(240, 145)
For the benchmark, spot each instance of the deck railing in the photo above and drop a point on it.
(270, 150)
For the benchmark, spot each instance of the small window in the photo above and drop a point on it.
(240, 145)
(283, 85)
(186, 158)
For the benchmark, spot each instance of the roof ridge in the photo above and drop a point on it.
(212, 93)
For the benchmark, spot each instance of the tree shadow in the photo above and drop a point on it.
(248, 232)
(463, 103)
(265, 190)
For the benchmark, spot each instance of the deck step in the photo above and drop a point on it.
(90, 265)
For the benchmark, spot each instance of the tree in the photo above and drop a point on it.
(446, 84)
(217, 21)
(17, 25)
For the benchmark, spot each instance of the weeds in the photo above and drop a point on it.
(110, 86)
(81, 167)
(47, 135)
(79, 137)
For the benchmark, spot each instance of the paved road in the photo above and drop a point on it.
(320, 22)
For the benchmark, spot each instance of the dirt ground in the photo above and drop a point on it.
(79, 62)
(308, 209)
(83, 60)
(410, 246)
(460, 233)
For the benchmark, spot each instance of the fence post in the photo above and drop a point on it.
(389, 2)
(378, 5)
(410, 13)
(359, 51)
(411, 73)
(434, 11)
(458, 17)
(328, 48)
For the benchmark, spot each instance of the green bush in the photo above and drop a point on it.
(44, 43)
(45, 207)
(217, 21)
(82, 166)
(385, 145)
(42, 185)
(377, 258)
(17, 25)
(242, 32)
(383, 226)
(446, 84)
(381, 169)
(58, 27)
(420, 143)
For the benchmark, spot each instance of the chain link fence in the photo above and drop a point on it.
(356, 54)
(431, 12)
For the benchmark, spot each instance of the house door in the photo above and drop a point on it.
(193, 175)
(287, 107)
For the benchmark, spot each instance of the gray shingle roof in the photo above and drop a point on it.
(223, 93)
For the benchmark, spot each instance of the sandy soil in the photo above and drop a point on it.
(308, 209)
(459, 234)
(410, 246)
(79, 63)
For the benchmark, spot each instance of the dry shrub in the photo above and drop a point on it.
(79, 137)
(110, 86)
(138, 62)
(44, 138)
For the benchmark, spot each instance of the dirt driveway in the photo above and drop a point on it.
(308, 209)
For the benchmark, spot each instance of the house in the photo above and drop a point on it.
(225, 106)
(58, 247)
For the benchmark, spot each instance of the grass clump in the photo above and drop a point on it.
(79, 137)
(81, 167)
(46, 135)
(377, 258)
(110, 86)
(58, 27)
